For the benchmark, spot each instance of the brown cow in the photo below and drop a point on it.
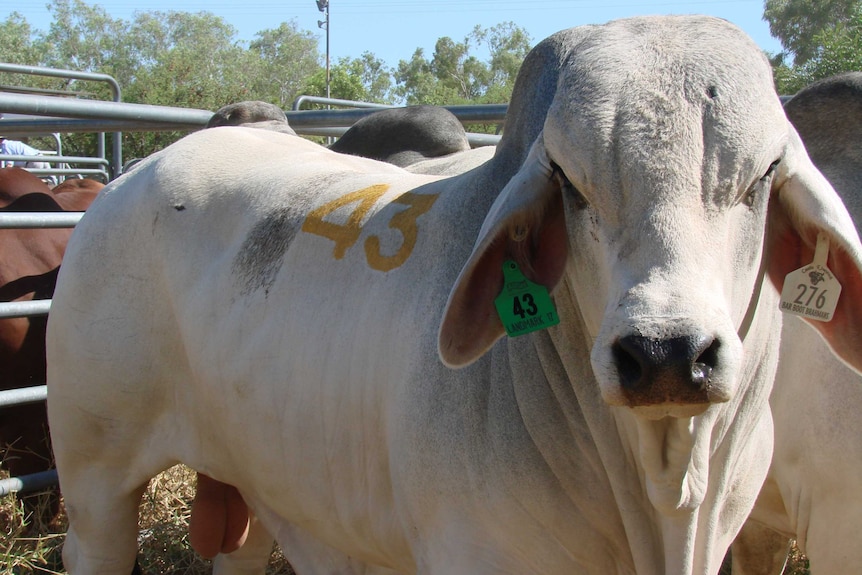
(29, 260)
(15, 182)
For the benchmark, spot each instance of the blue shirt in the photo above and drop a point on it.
(16, 148)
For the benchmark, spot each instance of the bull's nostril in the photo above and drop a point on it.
(627, 363)
(701, 369)
(709, 356)
(700, 374)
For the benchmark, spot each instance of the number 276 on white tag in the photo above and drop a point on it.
(812, 291)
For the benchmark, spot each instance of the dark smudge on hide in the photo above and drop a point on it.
(259, 259)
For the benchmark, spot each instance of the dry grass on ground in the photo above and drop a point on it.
(163, 538)
(797, 564)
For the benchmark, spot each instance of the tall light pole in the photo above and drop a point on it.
(323, 6)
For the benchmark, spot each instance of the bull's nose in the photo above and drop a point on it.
(666, 371)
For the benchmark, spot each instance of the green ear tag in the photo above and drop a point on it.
(523, 306)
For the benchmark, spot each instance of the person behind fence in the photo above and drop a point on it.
(18, 148)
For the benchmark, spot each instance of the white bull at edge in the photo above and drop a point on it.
(811, 493)
(319, 331)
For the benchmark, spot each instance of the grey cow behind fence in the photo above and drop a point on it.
(812, 491)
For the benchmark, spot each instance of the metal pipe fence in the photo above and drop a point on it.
(34, 308)
(116, 93)
(64, 168)
(88, 115)
(297, 104)
(15, 309)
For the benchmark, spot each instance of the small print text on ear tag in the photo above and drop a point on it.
(523, 306)
(812, 291)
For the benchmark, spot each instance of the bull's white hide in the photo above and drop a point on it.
(270, 313)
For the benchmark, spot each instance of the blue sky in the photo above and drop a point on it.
(393, 29)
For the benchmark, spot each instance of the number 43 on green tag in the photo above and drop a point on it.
(523, 306)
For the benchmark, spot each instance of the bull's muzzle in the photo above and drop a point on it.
(669, 371)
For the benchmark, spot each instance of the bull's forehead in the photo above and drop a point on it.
(672, 103)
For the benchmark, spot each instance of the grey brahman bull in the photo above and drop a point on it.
(404, 136)
(327, 335)
(251, 114)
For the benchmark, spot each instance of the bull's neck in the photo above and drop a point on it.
(583, 439)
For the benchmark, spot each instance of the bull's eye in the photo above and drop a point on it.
(770, 171)
(764, 183)
(566, 185)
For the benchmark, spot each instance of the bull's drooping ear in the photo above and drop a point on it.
(525, 224)
(804, 206)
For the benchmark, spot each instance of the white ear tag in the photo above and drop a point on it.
(812, 291)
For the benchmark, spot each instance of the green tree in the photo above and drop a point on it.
(376, 77)
(839, 49)
(454, 75)
(508, 45)
(192, 61)
(164, 58)
(195, 60)
(86, 39)
(287, 56)
(416, 82)
(363, 79)
(16, 41)
(797, 23)
(18, 47)
(835, 48)
(81, 38)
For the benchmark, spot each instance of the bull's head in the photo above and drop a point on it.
(665, 185)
